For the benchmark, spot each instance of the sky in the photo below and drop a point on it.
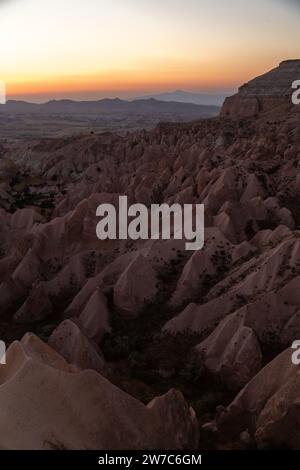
(95, 48)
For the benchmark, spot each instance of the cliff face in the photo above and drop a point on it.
(264, 93)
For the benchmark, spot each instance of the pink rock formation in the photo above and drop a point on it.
(271, 90)
(232, 352)
(48, 404)
(268, 406)
(135, 287)
(71, 343)
(95, 316)
(237, 299)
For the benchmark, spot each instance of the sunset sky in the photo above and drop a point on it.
(95, 48)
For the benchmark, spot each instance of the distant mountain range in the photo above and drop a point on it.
(115, 106)
(20, 119)
(181, 96)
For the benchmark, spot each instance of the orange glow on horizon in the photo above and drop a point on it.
(191, 77)
(128, 46)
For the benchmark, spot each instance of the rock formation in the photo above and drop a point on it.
(48, 404)
(265, 93)
(148, 314)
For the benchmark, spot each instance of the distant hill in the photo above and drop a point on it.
(114, 106)
(181, 96)
(19, 119)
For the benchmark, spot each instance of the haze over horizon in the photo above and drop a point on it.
(131, 48)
